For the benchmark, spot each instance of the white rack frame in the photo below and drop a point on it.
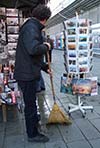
(80, 105)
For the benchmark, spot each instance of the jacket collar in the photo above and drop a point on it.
(41, 26)
(36, 21)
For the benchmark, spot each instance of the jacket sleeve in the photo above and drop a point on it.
(45, 67)
(32, 43)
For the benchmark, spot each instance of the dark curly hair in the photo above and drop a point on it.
(41, 12)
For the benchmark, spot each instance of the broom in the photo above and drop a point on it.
(56, 114)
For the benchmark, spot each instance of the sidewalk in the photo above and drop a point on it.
(82, 133)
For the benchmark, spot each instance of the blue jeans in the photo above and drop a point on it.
(28, 89)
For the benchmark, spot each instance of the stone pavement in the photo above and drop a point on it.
(82, 133)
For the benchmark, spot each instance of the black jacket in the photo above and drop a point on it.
(30, 51)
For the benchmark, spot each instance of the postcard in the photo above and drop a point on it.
(71, 39)
(94, 86)
(12, 38)
(81, 86)
(83, 61)
(12, 12)
(65, 88)
(12, 45)
(82, 54)
(1, 78)
(83, 46)
(12, 21)
(72, 62)
(71, 31)
(72, 54)
(13, 30)
(83, 69)
(71, 46)
(83, 23)
(2, 11)
(2, 32)
(82, 31)
(83, 39)
(72, 69)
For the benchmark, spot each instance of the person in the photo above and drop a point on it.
(29, 63)
(50, 41)
(40, 101)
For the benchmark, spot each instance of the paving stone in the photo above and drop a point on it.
(2, 136)
(96, 123)
(14, 128)
(53, 133)
(14, 141)
(64, 99)
(76, 115)
(61, 95)
(56, 144)
(97, 109)
(79, 144)
(71, 133)
(93, 103)
(91, 115)
(1, 118)
(34, 145)
(89, 131)
(2, 126)
(95, 143)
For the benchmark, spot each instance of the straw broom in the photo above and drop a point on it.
(56, 114)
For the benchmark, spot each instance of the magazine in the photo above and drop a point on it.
(81, 86)
(65, 86)
(94, 86)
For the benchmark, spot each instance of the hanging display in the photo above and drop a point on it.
(78, 56)
(78, 45)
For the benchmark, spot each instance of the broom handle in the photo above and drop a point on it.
(51, 78)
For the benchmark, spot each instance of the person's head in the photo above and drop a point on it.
(42, 13)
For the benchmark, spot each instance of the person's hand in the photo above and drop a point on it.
(49, 72)
(48, 45)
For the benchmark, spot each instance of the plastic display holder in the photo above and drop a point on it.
(77, 53)
(79, 106)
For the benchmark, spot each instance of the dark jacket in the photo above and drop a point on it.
(30, 51)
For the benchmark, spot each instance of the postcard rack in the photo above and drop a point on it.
(78, 57)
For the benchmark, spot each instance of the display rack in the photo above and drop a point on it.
(2, 29)
(78, 60)
(10, 21)
(12, 26)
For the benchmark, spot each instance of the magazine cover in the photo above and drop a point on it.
(81, 86)
(1, 83)
(65, 86)
(94, 86)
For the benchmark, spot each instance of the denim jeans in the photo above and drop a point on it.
(28, 89)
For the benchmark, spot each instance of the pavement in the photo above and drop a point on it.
(82, 133)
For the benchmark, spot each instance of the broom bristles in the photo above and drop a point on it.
(57, 116)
